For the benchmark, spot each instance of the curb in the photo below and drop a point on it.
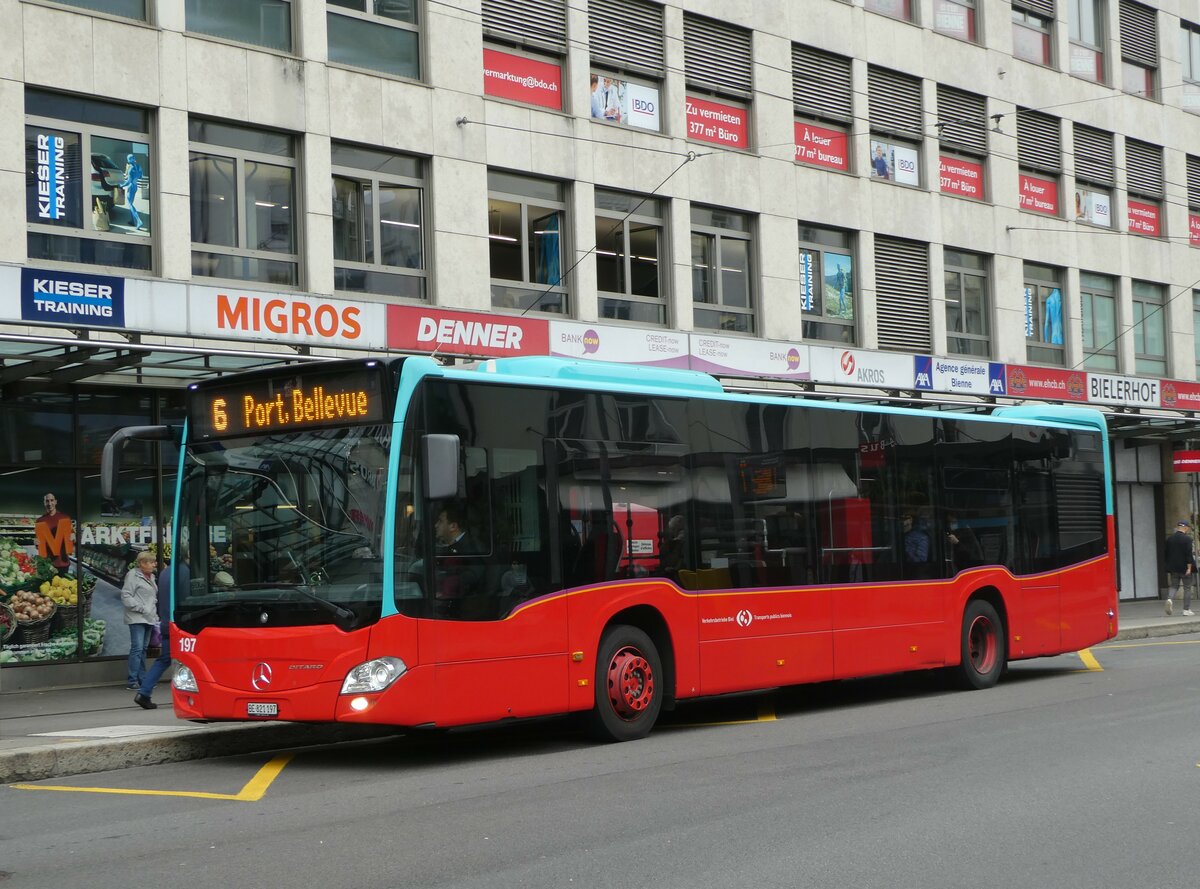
(1154, 631)
(37, 763)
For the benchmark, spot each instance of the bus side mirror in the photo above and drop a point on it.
(110, 459)
(441, 453)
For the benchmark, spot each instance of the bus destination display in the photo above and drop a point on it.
(288, 403)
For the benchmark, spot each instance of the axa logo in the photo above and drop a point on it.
(260, 677)
(923, 381)
(745, 618)
(997, 386)
(848, 363)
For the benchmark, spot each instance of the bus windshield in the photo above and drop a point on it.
(284, 529)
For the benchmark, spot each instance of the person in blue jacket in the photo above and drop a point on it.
(133, 175)
(146, 690)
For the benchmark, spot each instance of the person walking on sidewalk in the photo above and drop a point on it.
(1181, 566)
(146, 691)
(139, 595)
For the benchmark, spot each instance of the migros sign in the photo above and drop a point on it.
(286, 318)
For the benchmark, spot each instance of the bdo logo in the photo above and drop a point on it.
(643, 105)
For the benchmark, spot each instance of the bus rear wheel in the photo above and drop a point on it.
(983, 650)
(628, 691)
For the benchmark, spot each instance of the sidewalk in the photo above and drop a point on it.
(74, 731)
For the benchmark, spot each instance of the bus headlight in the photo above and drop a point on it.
(183, 679)
(375, 675)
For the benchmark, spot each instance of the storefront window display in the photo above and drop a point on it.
(64, 552)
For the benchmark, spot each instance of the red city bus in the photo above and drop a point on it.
(404, 543)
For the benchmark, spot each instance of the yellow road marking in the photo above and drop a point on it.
(1108, 646)
(766, 713)
(1089, 661)
(254, 790)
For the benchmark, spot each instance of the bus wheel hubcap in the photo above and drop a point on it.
(630, 683)
(981, 644)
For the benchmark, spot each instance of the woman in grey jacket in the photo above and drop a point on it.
(139, 595)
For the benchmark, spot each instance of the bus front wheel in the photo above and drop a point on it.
(628, 685)
(983, 649)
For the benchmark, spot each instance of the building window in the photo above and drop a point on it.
(1149, 329)
(963, 143)
(1094, 176)
(525, 235)
(897, 9)
(822, 93)
(967, 304)
(627, 42)
(719, 70)
(1086, 20)
(1139, 49)
(381, 35)
(1039, 152)
(630, 238)
(260, 22)
(1045, 315)
(894, 102)
(722, 273)
(1144, 179)
(1033, 32)
(243, 203)
(955, 18)
(902, 304)
(1098, 301)
(827, 284)
(378, 222)
(1190, 54)
(537, 29)
(1193, 196)
(130, 9)
(1196, 329)
(88, 177)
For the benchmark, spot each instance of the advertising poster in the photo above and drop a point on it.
(1194, 229)
(623, 102)
(475, 334)
(895, 162)
(1038, 195)
(717, 123)
(838, 286)
(1093, 207)
(960, 177)
(522, 79)
(119, 200)
(624, 345)
(1144, 219)
(53, 177)
(1048, 383)
(822, 147)
(737, 357)
(1179, 395)
(50, 607)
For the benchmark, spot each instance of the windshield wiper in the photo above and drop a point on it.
(332, 607)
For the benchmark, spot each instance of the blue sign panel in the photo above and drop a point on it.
(923, 372)
(71, 298)
(996, 378)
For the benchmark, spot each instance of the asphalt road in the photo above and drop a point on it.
(1061, 776)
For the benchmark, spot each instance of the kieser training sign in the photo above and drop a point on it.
(71, 298)
(418, 329)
